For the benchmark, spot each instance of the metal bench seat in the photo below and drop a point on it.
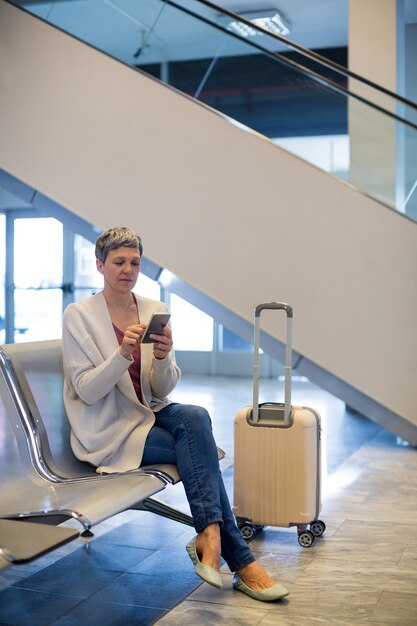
(89, 502)
(20, 542)
(50, 482)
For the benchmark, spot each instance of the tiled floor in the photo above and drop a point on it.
(135, 570)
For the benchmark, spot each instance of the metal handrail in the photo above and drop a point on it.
(304, 70)
(275, 55)
(306, 52)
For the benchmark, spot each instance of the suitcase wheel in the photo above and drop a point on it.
(317, 528)
(306, 538)
(248, 530)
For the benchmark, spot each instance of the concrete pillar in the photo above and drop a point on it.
(376, 51)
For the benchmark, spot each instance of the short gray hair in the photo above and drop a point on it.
(114, 238)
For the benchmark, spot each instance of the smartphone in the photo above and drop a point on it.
(156, 326)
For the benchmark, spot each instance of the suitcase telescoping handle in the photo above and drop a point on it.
(288, 354)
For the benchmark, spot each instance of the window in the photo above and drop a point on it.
(148, 288)
(53, 267)
(192, 329)
(87, 279)
(37, 278)
(229, 341)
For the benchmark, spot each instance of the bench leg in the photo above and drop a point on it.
(7, 558)
(164, 510)
(53, 517)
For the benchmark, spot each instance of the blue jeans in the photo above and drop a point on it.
(182, 434)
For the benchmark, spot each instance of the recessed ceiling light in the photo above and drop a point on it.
(268, 19)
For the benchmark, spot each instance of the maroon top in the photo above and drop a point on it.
(134, 369)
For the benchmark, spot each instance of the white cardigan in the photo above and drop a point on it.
(109, 425)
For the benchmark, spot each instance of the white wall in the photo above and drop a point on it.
(224, 209)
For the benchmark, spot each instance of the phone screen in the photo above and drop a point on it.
(156, 326)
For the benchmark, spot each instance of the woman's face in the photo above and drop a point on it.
(120, 269)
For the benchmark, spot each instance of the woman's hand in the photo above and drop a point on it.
(163, 344)
(131, 339)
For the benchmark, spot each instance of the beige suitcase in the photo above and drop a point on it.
(277, 457)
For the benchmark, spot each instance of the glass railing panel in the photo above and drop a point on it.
(305, 103)
(248, 85)
(204, 60)
(407, 168)
(117, 28)
(321, 67)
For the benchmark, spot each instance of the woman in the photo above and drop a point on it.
(116, 396)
